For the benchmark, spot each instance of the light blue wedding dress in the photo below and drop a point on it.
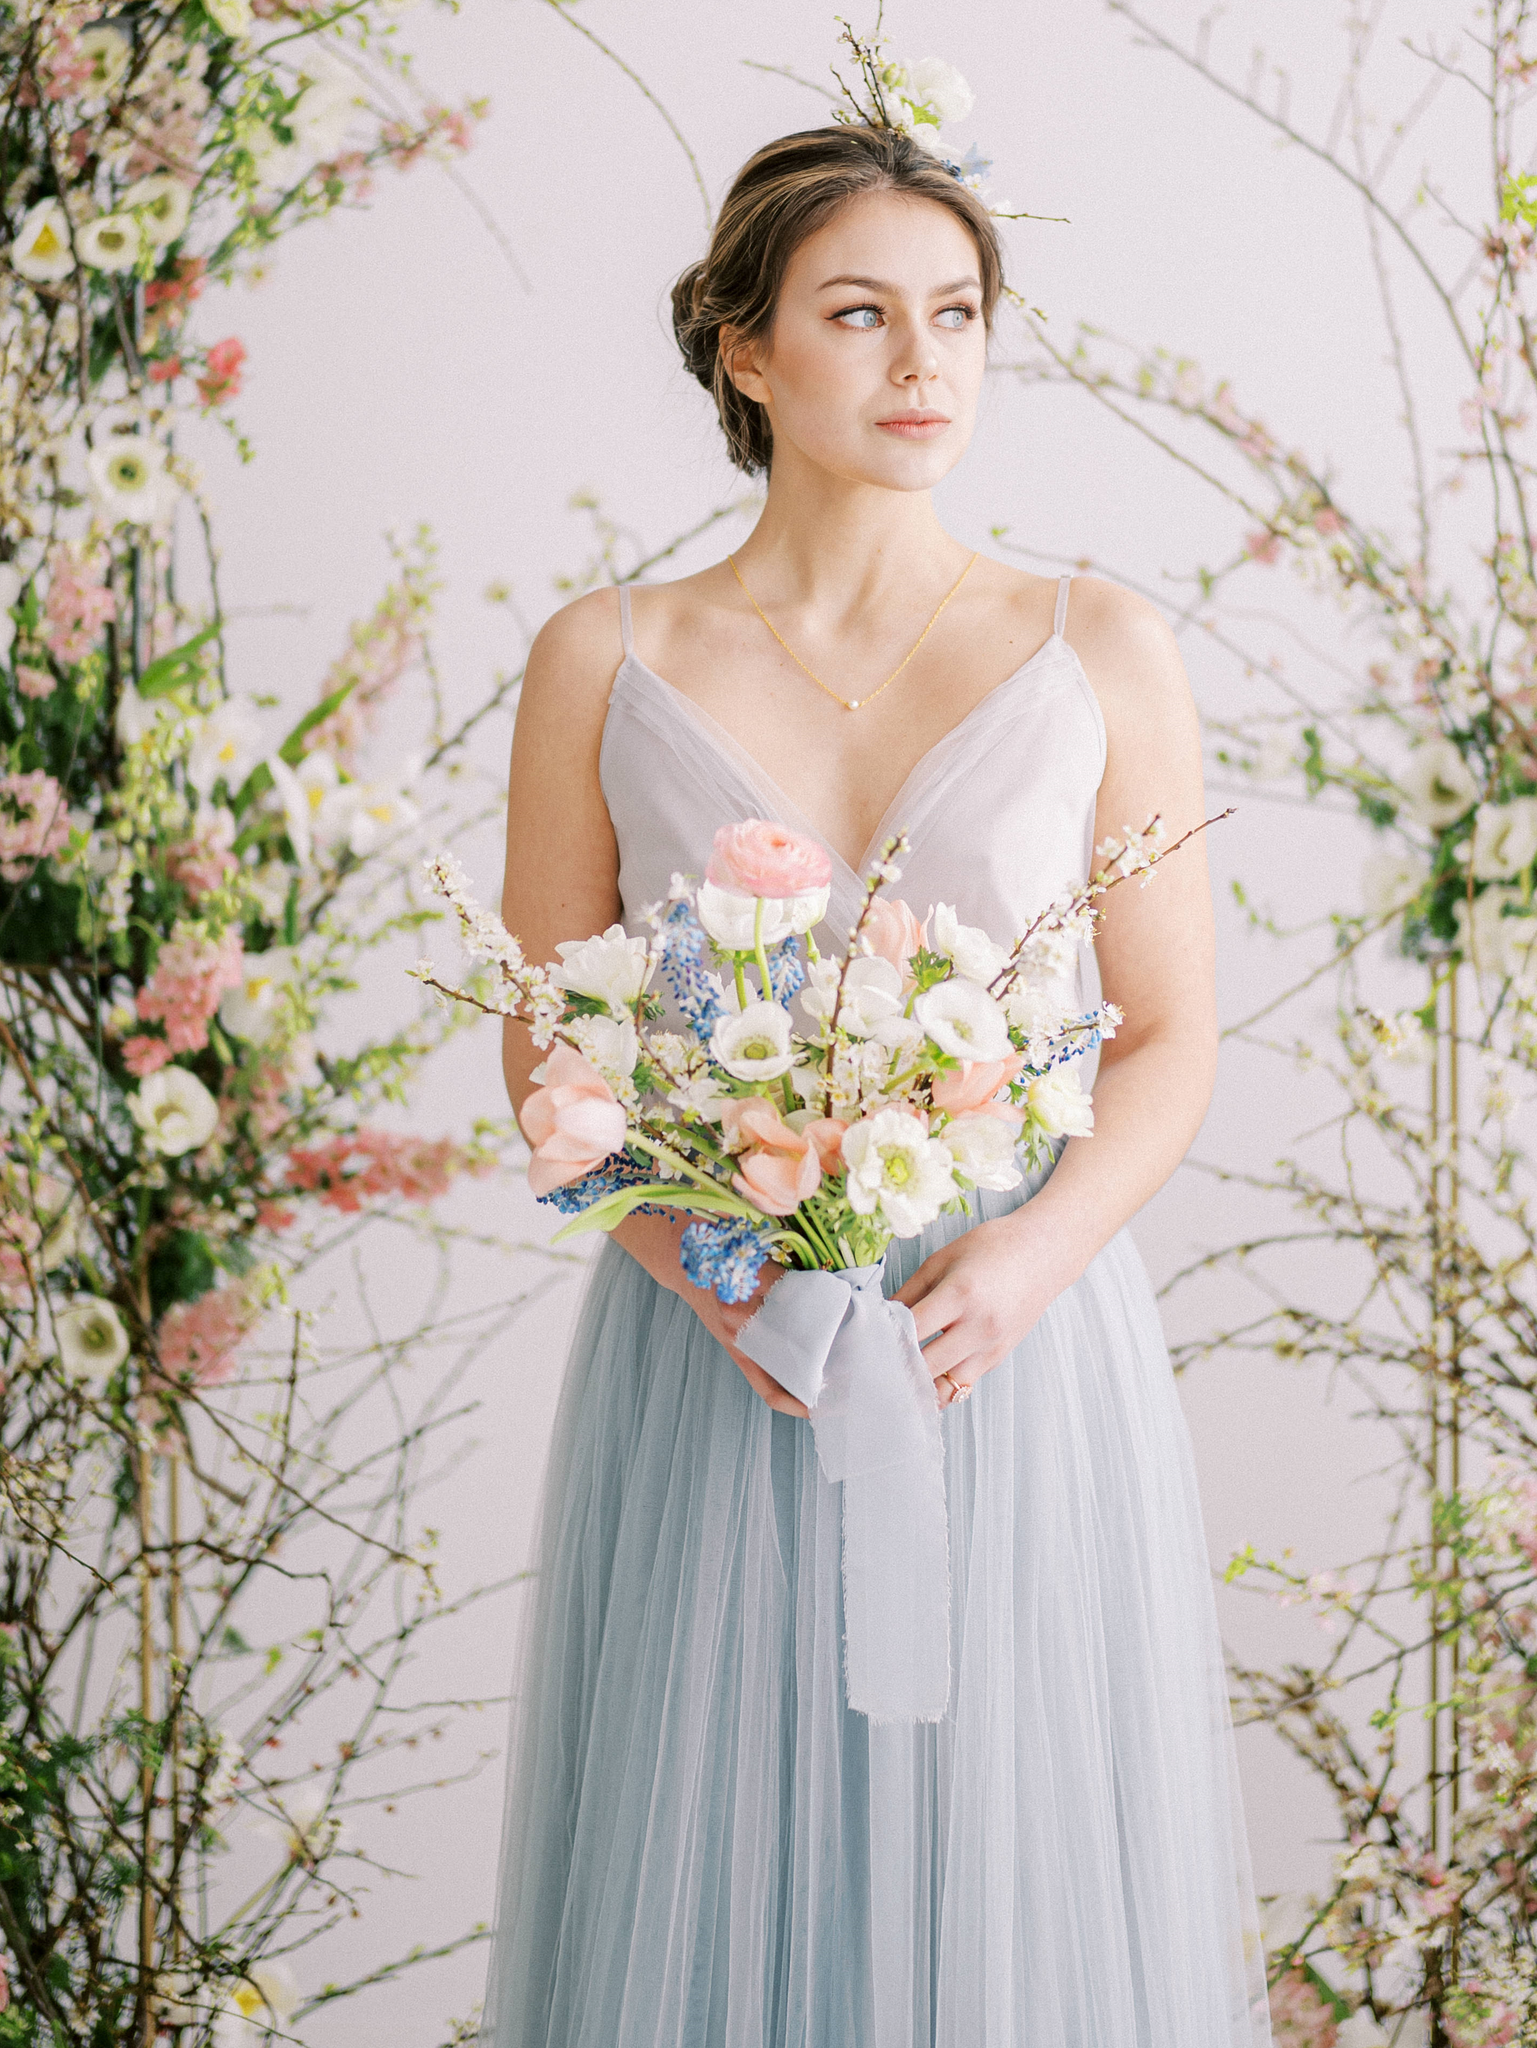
(705, 1847)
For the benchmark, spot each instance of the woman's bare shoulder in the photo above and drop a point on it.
(577, 649)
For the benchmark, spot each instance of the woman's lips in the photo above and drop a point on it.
(915, 426)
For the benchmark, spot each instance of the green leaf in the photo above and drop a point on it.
(178, 667)
(612, 1209)
(292, 750)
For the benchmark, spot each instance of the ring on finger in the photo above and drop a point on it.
(959, 1390)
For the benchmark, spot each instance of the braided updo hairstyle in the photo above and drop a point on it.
(782, 195)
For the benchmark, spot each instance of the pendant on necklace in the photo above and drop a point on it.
(853, 703)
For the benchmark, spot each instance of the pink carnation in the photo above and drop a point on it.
(197, 1340)
(364, 1165)
(33, 822)
(33, 682)
(757, 858)
(183, 992)
(78, 605)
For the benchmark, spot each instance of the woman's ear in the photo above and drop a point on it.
(740, 359)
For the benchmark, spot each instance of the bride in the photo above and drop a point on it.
(706, 1847)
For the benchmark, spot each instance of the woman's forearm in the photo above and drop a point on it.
(1149, 1100)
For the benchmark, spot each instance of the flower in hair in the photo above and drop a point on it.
(913, 99)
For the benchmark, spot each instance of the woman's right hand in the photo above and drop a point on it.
(653, 1242)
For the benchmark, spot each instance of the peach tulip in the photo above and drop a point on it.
(892, 931)
(782, 1167)
(573, 1121)
(826, 1136)
(974, 1086)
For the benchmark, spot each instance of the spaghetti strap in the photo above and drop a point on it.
(1059, 621)
(626, 630)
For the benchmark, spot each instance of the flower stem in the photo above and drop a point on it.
(761, 953)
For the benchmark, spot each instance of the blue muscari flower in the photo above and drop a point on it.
(683, 953)
(619, 1171)
(787, 971)
(724, 1256)
(1079, 1037)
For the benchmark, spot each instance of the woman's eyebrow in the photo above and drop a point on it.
(878, 284)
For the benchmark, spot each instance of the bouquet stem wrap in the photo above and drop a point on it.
(835, 1342)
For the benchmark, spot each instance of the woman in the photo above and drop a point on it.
(706, 1848)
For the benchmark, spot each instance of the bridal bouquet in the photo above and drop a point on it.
(927, 1058)
(926, 1061)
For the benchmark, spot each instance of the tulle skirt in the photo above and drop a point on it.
(706, 1848)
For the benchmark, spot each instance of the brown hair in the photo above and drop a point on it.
(782, 195)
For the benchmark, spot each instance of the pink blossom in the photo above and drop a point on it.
(33, 822)
(190, 976)
(383, 648)
(33, 682)
(572, 1121)
(203, 860)
(164, 369)
(221, 378)
(1262, 547)
(357, 1166)
(445, 131)
(5, 1982)
(78, 606)
(1299, 2018)
(1327, 521)
(757, 858)
(197, 1340)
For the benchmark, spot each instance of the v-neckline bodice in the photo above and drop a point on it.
(785, 810)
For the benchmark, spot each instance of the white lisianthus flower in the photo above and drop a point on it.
(1058, 1105)
(731, 919)
(983, 1149)
(975, 955)
(1391, 878)
(110, 242)
(107, 50)
(934, 84)
(895, 1168)
(1495, 945)
(233, 16)
(259, 2003)
(612, 1044)
(92, 1340)
(130, 483)
(162, 206)
(224, 749)
(41, 252)
(963, 1020)
(755, 1044)
(10, 590)
(175, 1112)
(612, 969)
(1438, 785)
(1505, 839)
(253, 1010)
(278, 165)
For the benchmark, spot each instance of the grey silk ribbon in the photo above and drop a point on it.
(836, 1343)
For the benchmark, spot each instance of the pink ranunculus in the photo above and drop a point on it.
(975, 1086)
(782, 1167)
(573, 1121)
(892, 931)
(757, 858)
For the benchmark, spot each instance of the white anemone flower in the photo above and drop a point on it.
(983, 1149)
(162, 206)
(612, 969)
(1059, 1105)
(1505, 839)
(261, 2002)
(254, 1010)
(233, 16)
(872, 995)
(896, 1168)
(1392, 878)
(754, 1045)
(175, 1112)
(731, 920)
(278, 165)
(934, 84)
(224, 749)
(41, 252)
(963, 1020)
(322, 114)
(130, 483)
(1498, 946)
(1438, 785)
(611, 1044)
(92, 1340)
(975, 955)
(108, 51)
(110, 242)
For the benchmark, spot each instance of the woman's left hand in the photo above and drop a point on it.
(978, 1296)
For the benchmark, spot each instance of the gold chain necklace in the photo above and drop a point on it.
(852, 703)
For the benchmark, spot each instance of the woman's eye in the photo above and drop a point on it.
(956, 316)
(859, 316)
